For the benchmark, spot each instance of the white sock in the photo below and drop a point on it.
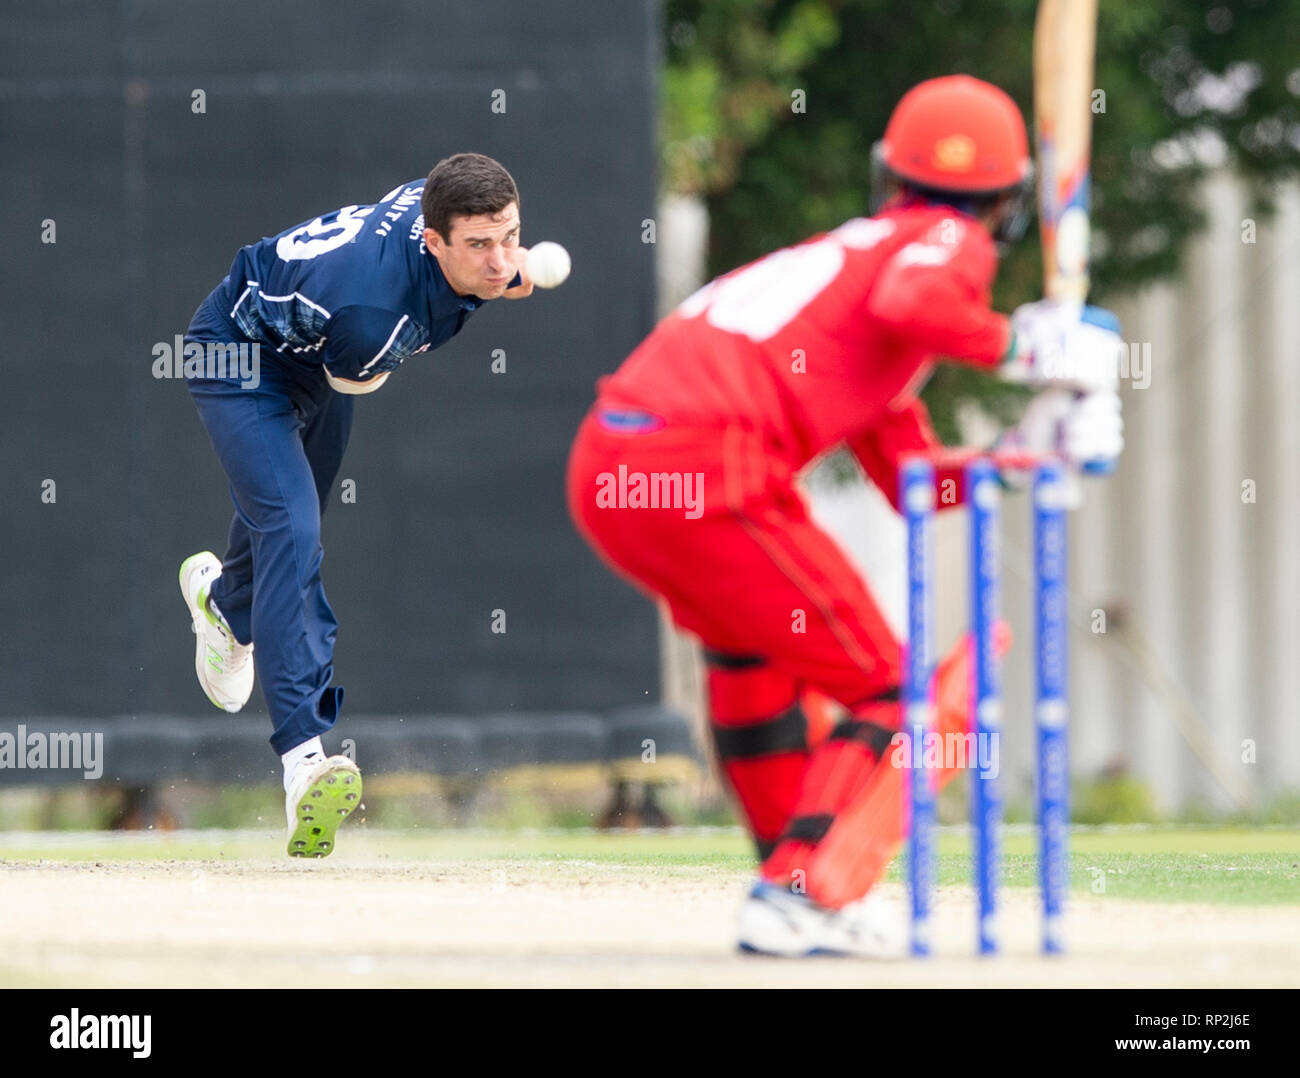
(297, 754)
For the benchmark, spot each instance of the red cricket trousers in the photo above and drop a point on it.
(709, 520)
(742, 566)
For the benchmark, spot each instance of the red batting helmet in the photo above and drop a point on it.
(959, 136)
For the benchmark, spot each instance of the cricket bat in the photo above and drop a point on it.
(1065, 35)
(1065, 40)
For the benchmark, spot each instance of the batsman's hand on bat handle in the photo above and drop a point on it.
(1067, 345)
(1086, 430)
(1093, 432)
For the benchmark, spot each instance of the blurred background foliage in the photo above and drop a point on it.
(1189, 86)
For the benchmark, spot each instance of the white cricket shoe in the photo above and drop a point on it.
(776, 921)
(224, 666)
(323, 791)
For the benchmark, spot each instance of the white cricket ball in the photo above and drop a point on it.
(548, 264)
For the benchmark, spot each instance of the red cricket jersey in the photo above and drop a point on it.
(828, 341)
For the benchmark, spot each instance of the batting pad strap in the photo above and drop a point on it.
(786, 733)
(810, 829)
(887, 696)
(725, 660)
(876, 737)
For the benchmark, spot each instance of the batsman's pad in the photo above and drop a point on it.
(761, 739)
(864, 838)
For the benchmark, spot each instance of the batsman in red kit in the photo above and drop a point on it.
(683, 478)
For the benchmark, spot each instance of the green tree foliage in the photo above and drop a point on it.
(1187, 86)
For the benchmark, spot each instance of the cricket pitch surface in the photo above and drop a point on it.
(566, 909)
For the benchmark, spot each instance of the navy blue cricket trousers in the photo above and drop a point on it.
(281, 445)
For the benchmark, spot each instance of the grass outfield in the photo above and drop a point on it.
(1230, 866)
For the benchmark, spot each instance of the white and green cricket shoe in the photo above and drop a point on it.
(323, 791)
(224, 666)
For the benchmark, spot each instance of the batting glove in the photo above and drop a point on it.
(1092, 435)
(1086, 429)
(1065, 345)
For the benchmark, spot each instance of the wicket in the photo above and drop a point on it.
(1051, 708)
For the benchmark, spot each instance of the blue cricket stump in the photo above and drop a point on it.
(983, 496)
(917, 499)
(1051, 704)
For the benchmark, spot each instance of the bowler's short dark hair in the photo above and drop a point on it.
(465, 185)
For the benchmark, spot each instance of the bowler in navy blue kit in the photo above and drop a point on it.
(334, 306)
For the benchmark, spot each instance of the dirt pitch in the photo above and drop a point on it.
(376, 919)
